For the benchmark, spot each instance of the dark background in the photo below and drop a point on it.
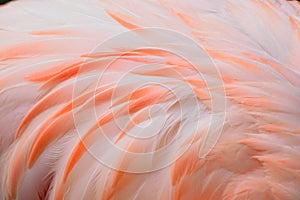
(4, 1)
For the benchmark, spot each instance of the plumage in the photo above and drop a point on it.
(159, 99)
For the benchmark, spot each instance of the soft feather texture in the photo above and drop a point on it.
(71, 72)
